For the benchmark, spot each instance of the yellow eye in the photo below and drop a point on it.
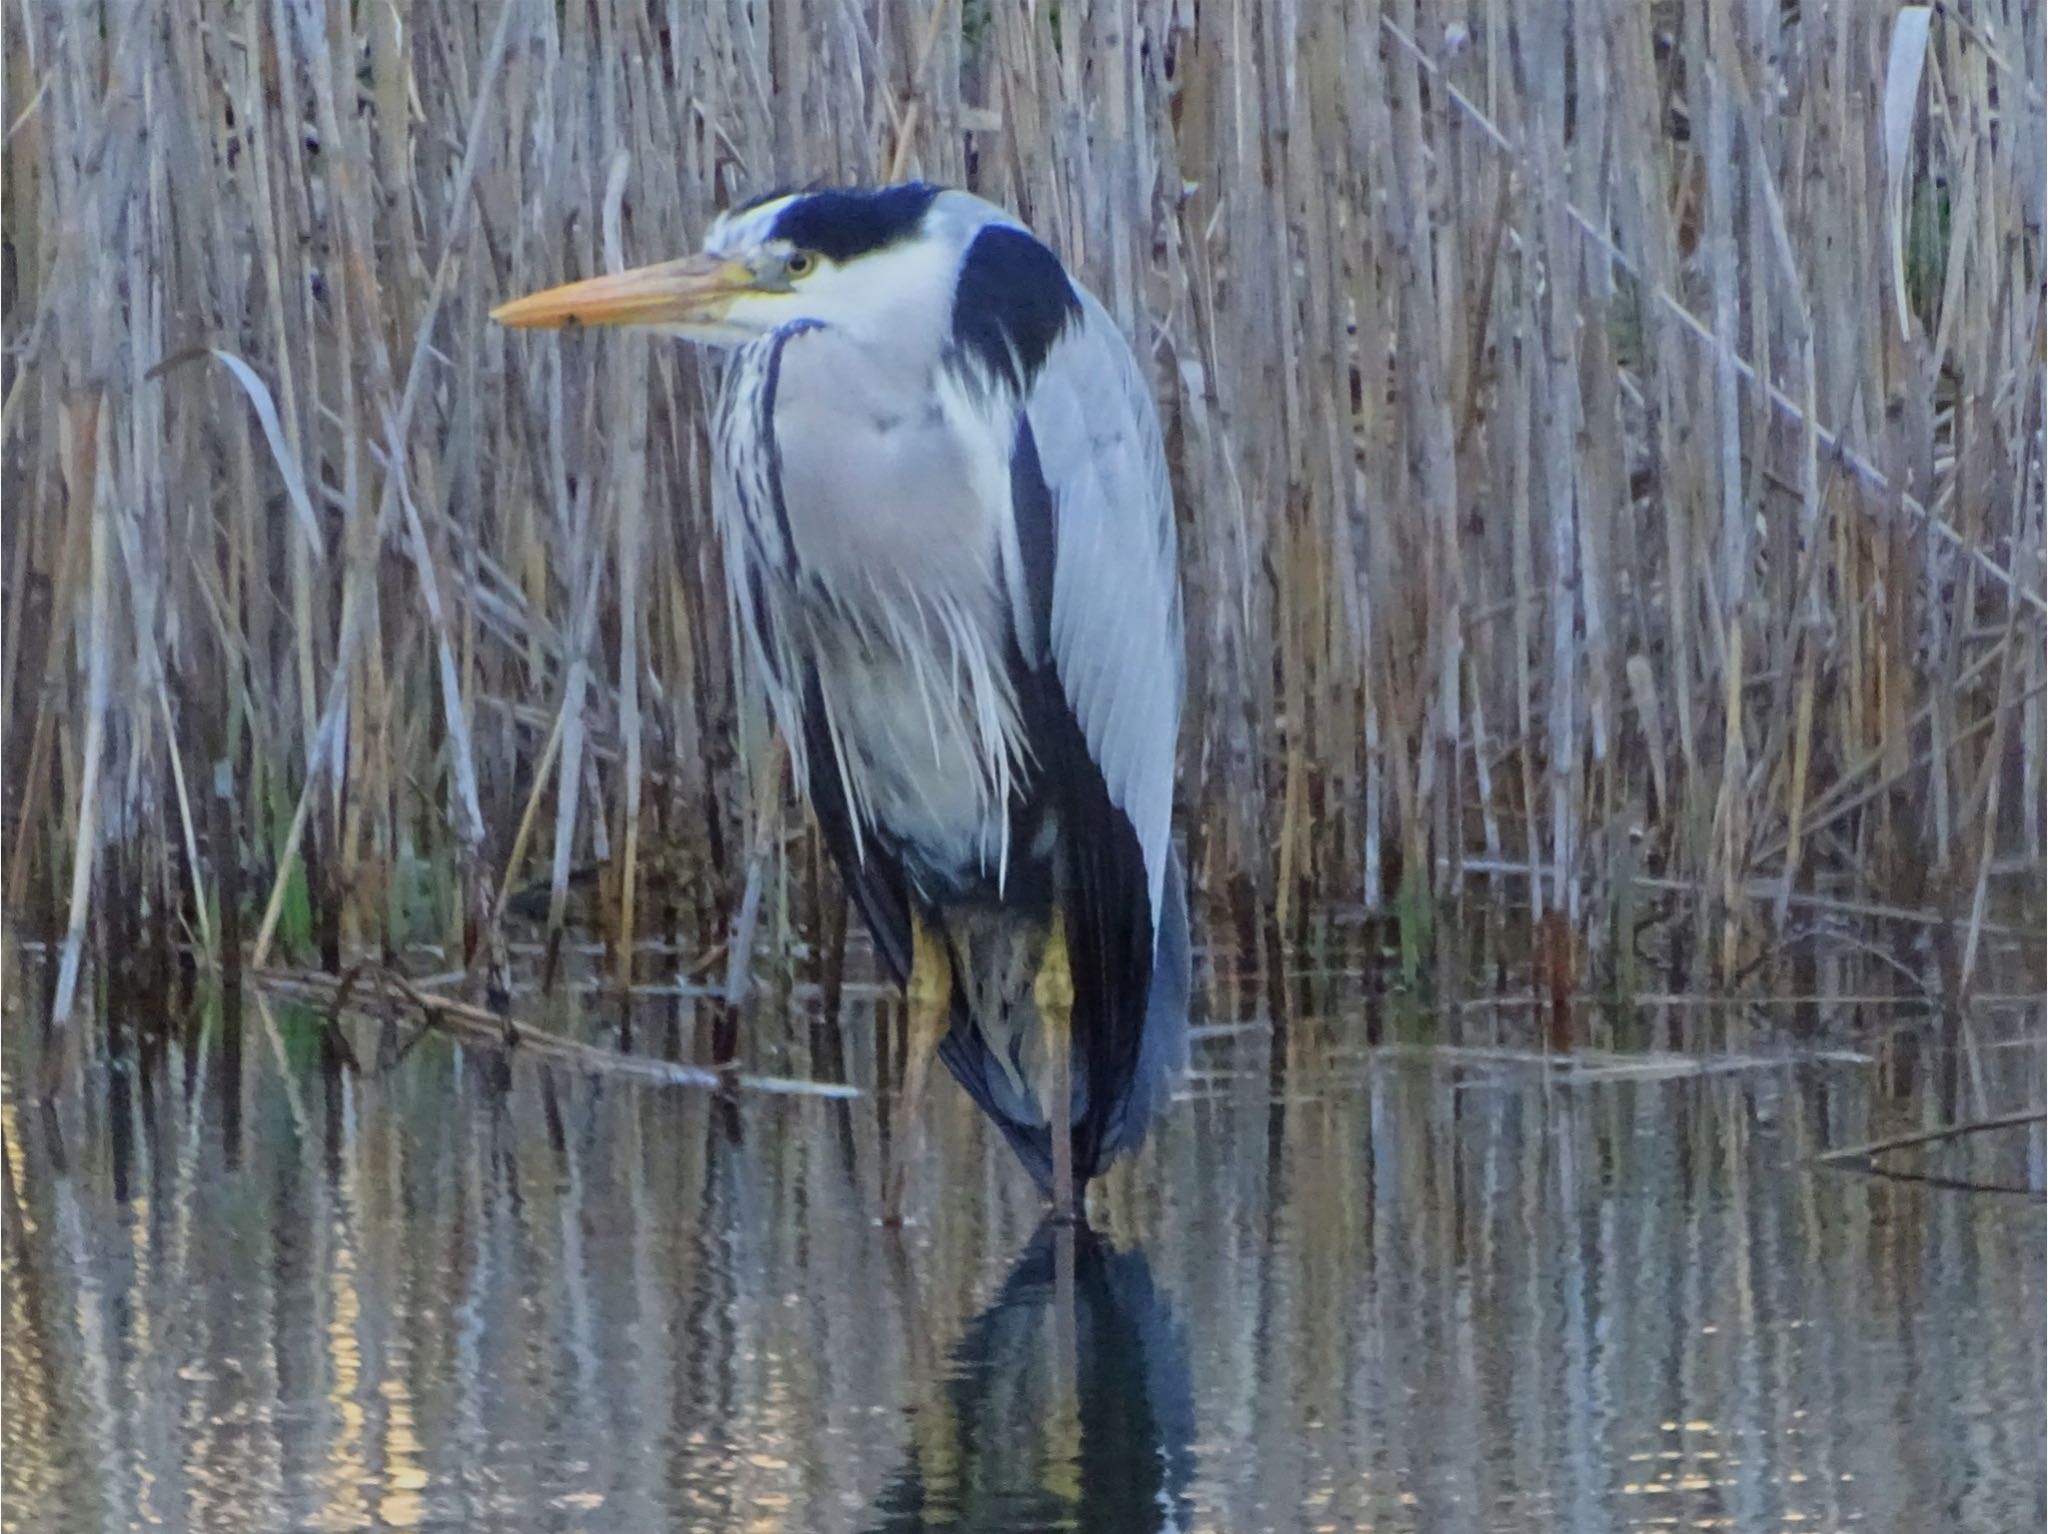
(799, 263)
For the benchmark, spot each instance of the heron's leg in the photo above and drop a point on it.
(1053, 991)
(930, 997)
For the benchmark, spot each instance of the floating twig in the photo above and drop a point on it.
(1875, 1148)
(1863, 1158)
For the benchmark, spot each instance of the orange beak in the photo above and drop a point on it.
(696, 290)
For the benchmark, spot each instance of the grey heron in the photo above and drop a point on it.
(949, 547)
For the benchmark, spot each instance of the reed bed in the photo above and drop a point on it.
(1607, 436)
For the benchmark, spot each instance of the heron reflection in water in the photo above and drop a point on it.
(950, 552)
(1014, 1442)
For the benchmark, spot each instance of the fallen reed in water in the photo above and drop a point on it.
(1607, 438)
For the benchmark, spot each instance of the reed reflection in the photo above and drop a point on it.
(1443, 1289)
(1036, 1425)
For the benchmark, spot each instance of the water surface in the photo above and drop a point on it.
(1397, 1288)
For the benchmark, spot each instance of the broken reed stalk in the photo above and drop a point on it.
(1548, 448)
(485, 1026)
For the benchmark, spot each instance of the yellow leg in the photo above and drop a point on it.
(1053, 991)
(930, 997)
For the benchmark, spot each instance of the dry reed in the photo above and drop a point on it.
(1588, 419)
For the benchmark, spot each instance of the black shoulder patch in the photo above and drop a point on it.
(846, 222)
(1013, 301)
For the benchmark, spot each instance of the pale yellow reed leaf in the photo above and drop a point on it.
(273, 434)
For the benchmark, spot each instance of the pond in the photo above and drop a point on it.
(1393, 1288)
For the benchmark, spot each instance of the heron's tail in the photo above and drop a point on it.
(1163, 1045)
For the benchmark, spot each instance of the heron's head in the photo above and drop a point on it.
(859, 259)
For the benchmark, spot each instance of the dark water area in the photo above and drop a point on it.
(1393, 1288)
